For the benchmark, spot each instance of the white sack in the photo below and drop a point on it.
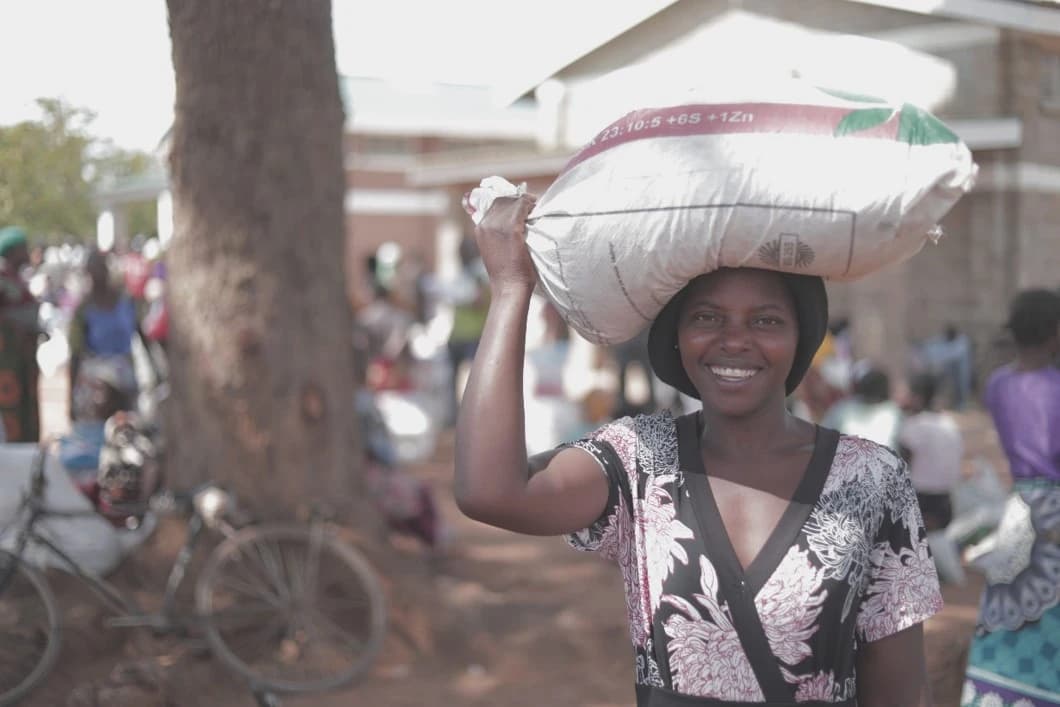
(88, 539)
(805, 182)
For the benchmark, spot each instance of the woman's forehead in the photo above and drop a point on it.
(747, 285)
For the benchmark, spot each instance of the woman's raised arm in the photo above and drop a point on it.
(494, 483)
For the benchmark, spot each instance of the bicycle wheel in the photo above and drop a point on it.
(291, 608)
(29, 628)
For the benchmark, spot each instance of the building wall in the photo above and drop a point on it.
(1039, 247)
(1002, 237)
(1036, 92)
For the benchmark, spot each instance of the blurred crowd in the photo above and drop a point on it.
(99, 315)
(416, 332)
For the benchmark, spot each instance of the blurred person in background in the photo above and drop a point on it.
(383, 323)
(828, 379)
(19, 334)
(470, 299)
(630, 356)
(1015, 653)
(103, 327)
(868, 412)
(931, 443)
(136, 269)
(957, 368)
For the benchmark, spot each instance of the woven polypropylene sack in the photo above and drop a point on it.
(825, 184)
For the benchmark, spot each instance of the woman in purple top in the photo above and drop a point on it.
(1015, 655)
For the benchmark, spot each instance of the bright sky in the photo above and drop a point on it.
(113, 56)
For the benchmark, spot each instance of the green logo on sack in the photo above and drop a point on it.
(915, 125)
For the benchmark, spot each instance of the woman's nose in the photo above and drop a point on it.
(735, 337)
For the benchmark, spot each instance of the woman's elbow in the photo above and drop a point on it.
(469, 504)
(473, 502)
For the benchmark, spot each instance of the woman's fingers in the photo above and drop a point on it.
(508, 214)
(501, 238)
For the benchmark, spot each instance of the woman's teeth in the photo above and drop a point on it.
(736, 374)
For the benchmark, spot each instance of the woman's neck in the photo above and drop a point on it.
(1033, 359)
(762, 431)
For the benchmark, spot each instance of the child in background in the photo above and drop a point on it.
(868, 412)
(931, 443)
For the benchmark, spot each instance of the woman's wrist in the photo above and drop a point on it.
(516, 289)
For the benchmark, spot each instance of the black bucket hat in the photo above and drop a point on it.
(811, 309)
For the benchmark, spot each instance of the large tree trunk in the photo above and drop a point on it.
(261, 360)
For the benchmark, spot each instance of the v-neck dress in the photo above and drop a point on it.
(847, 564)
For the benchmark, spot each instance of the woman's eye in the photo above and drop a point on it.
(770, 321)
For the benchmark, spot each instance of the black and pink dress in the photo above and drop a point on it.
(846, 564)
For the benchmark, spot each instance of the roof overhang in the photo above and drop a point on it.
(561, 50)
(1033, 17)
(989, 133)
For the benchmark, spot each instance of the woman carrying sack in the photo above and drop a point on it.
(766, 560)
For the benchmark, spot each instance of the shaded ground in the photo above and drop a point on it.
(501, 620)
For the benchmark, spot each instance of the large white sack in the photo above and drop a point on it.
(806, 181)
(88, 538)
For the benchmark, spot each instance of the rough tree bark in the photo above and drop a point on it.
(261, 360)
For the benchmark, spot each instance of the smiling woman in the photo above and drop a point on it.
(798, 306)
(766, 560)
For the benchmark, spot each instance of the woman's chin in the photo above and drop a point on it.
(736, 405)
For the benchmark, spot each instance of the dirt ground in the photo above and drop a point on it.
(500, 619)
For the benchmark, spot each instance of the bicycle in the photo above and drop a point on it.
(289, 607)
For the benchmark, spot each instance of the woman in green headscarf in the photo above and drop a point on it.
(19, 375)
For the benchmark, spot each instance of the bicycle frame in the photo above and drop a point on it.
(281, 585)
(127, 613)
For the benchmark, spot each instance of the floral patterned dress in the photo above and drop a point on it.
(846, 564)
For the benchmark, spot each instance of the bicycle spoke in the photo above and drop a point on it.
(293, 571)
(341, 605)
(294, 559)
(258, 569)
(272, 565)
(227, 617)
(249, 589)
(256, 639)
(340, 633)
(316, 537)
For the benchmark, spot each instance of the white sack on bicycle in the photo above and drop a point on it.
(88, 538)
(806, 182)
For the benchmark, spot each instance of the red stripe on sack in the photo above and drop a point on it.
(727, 118)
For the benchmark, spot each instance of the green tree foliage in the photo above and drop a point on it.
(50, 169)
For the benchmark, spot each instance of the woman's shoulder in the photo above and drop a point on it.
(999, 375)
(862, 460)
(637, 425)
(653, 435)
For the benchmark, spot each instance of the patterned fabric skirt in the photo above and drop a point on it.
(1014, 660)
(1016, 668)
